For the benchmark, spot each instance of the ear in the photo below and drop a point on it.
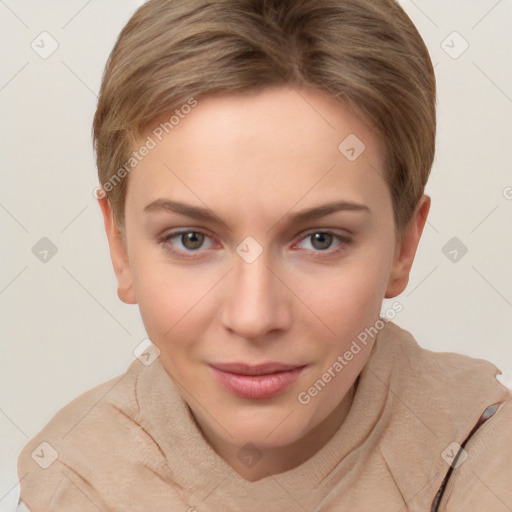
(406, 249)
(118, 254)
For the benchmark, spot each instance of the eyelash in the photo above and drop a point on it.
(164, 241)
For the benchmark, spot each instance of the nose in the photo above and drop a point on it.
(256, 301)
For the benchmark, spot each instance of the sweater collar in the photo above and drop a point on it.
(400, 407)
(174, 429)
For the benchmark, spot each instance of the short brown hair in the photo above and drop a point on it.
(366, 52)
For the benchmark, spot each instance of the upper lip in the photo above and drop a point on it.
(259, 369)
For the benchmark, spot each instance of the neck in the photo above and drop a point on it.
(282, 458)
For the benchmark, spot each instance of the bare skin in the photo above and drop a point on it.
(255, 160)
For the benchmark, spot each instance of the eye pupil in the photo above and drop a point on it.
(195, 239)
(324, 239)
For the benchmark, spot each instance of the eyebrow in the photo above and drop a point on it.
(205, 214)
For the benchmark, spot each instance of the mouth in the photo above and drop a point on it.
(256, 381)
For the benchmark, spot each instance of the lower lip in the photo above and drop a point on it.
(257, 386)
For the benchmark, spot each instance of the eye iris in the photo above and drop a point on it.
(324, 239)
(192, 240)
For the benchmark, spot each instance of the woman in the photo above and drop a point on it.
(262, 167)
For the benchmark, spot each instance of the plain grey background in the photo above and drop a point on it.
(63, 329)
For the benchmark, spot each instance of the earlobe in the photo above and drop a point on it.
(118, 254)
(404, 256)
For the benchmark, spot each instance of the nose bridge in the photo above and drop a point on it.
(253, 303)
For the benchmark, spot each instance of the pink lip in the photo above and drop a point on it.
(260, 381)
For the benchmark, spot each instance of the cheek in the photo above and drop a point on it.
(161, 295)
(370, 274)
(348, 300)
(172, 300)
(349, 294)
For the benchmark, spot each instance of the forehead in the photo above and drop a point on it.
(277, 146)
(304, 118)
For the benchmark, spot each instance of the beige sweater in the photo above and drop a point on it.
(131, 444)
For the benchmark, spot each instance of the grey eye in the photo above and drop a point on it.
(321, 240)
(192, 240)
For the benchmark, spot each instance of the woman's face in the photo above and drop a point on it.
(259, 230)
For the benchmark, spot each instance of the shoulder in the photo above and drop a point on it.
(436, 400)
(480, 478)
(447, 391)
(451, 379)
(61, 458)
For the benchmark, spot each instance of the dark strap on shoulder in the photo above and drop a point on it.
(488, 413)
